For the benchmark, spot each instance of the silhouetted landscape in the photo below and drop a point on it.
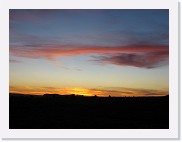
(89, 68)
(53, 111)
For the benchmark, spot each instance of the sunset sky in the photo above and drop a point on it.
(116, 52)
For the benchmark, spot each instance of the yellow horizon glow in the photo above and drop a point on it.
(83, 91)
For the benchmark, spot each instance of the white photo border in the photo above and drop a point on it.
(171, 133)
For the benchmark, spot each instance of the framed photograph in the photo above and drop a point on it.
(89, 69)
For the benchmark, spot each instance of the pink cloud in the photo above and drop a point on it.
(144, 60)
(55, 51)
(147, 56)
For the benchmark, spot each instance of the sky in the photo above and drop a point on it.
(116, 52)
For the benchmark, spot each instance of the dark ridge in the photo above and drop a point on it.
(54, 111)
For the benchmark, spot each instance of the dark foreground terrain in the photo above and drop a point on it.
(78, 112)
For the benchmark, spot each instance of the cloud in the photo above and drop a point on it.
(139, 45)
(50, 51)
(14, 61)
(11, 87)
(30, 15)
(122, 91)
(145, 56)
(143, 60)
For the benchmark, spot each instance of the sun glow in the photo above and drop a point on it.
(81, 91)
(124, 92)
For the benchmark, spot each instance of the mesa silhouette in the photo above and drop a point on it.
(54, 111)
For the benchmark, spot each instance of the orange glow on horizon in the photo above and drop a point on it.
(85, 92)
(81, 91)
